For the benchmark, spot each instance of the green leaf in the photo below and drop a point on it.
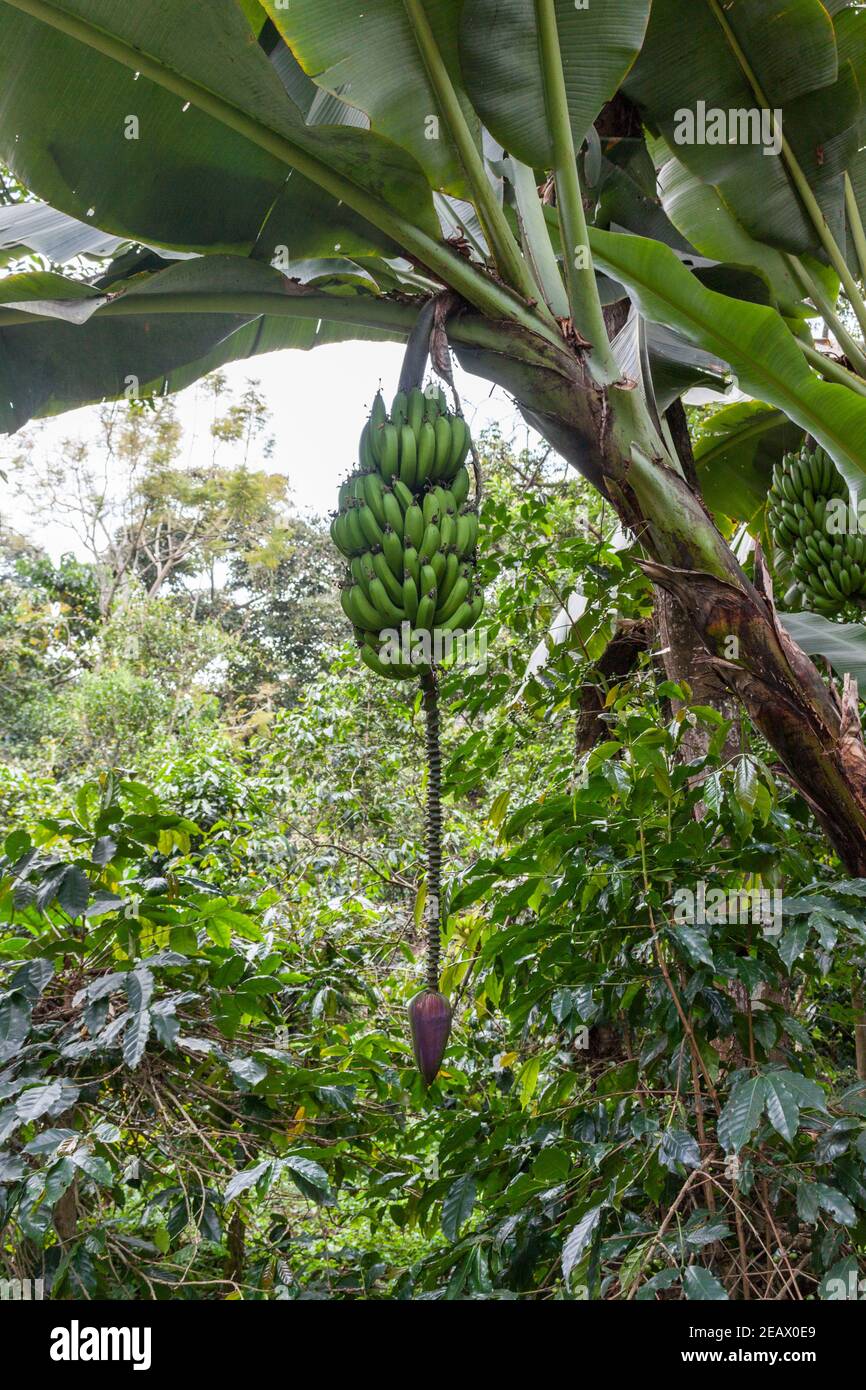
(578, 1240)
(701, 1285)
(73, 892)
(735, 454)
(808, 1204)
(457, 1206)
(842, 644)
(842, 1280)
(340, 45)
(499, 50)
(679, 1147)
(309, 1178)
(688, 59)
(693, 944)
(673, 365)
(697, 210)
(46, 1098)
(794, 941)
(51, 367)
(139, 986)
(183, 178)
(247, 1178)
(746, 784)
(783, 1111)
(135, 1037)
(247, 1072)
(742, 1114)
(838, 1206)
(751, 337)
(527, 1080)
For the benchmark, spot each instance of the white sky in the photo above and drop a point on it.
(318, 402)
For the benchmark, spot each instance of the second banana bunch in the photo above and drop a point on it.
(409, 532)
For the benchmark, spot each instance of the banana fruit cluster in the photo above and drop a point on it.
(826, 564)
(408, 531)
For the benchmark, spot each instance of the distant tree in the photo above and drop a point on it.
(139, 510)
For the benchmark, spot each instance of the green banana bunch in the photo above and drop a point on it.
(406, 527)
(823, 561)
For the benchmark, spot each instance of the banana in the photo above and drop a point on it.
(393, 512)
(477, 608)
(426, 613)
(430, 543)
(336, 530)
(457, 596)
(391, 615)
(359, 609)
(413, 526)
(403, 495)
(354, 535)
(460, 487)
(400, 409)
(449, 578)
(447, 505)
(463, 535)
(378, 414)
(384, 573)
(461, 441)
(426, 453)
(408, 456)
(431, 407)
(374, 496)
(356, 570)
(428, 583)
(370, 527)
(430, 509)
(408, 532)
(443, 446)
(415, 410)
(392, 549)
(447, 531)
(389, 463)
(394, 671)
(365, 449)
(410, 598)
(459, 621)
(411, 564)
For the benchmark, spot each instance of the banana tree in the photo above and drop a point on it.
(272, 175)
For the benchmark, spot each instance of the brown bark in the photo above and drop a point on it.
(617, 660)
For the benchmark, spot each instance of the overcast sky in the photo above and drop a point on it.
(318, 402)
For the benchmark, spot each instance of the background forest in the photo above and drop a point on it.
(213, 824)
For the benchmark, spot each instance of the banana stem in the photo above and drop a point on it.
(418, 349)
(580, 283)
(832, 371)
(505, 250)
(856, 223)
(813, 289)
(430, 694)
